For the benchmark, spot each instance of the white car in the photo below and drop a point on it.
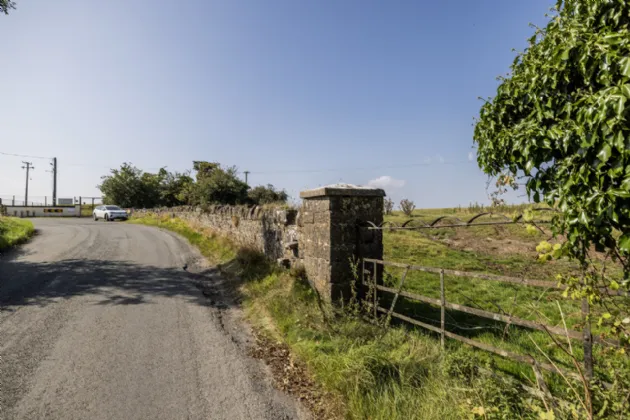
(109, 213)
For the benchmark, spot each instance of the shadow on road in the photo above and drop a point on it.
(25, 283)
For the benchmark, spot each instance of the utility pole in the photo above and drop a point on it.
(54, 165)
(246, 174)
(28, 167)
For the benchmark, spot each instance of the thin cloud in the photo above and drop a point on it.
(386, 182)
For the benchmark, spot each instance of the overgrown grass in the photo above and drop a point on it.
(14, 231)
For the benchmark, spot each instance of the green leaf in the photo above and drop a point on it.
(583, 218)
(528, 166)
(619, 193)
(625, 89)
(624, 66)
(606, 315)
(625, 184)
(624, 243)
(619, 142)
(604, 153)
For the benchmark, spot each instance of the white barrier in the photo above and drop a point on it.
(44, 211)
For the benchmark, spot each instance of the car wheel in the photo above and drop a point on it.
(95, 218)
(106, 217)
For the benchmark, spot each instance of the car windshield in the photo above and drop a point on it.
(112, 208)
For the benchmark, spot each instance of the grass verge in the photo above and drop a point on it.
(14, 231)
(217, 249)
(367, 371)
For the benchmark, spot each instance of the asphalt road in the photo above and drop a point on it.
(99, 320)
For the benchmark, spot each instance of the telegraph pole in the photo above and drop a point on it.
(246, 174)
(28, 167)
(54, 165)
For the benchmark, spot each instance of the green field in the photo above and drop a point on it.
(508, 250)
(14, 231)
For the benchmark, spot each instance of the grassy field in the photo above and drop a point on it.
(368, 372)
(14, 231)
(505, 250)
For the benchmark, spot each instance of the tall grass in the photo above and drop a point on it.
(14, 231)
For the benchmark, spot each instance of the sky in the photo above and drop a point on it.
(299, 93)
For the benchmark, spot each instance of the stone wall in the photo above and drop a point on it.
(325, 236)
(272, 231)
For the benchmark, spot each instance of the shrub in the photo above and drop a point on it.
(388, 206)
(407, 206)
(266, 195)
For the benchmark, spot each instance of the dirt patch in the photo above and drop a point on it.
(497, 240)
(291, 376)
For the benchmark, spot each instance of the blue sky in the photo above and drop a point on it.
(300, 93)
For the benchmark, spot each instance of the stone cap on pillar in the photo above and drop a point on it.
(345, 190)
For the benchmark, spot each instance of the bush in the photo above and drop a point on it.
(388, 206)
(266, 195)
(407, 207)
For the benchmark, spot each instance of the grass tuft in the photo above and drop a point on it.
(14, 231)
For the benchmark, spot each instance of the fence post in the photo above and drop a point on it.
(442, 304)
(45, 200)
(588, 340)
(375, 290)
(13, 202)
(362, 277)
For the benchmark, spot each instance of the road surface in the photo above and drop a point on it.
(99, 320)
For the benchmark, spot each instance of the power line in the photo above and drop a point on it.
(410, 165)
(24, 156)
(290, 171)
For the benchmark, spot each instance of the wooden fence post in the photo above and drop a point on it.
(442, 309)
(588, 340)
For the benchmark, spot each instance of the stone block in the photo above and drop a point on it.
(317, 204)
(321, 217)
(308, 217)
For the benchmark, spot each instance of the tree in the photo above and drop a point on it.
(174, 188)
(123, 187)
(267, 195)
(131, 187)
(388, 206)
(216, 185)
(560, 120)
(6, 5)
(407, 207)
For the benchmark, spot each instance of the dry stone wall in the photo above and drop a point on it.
(329, 232)
(272, 231)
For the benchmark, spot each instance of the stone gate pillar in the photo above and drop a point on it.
(332, 234)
